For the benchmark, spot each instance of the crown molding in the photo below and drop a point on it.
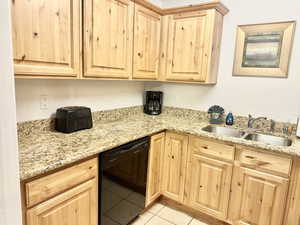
(219, 6)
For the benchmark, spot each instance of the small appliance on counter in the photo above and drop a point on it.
(73, 118)
(153, 102)
(216, 114)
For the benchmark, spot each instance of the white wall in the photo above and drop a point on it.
(10, 207)
(99, 95)
(275, 98)
(272, 97)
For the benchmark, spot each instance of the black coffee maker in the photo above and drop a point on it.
(153, 102)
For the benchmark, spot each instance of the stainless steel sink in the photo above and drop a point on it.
(224, 131)
(269, 139)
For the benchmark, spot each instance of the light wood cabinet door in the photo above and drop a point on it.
(292, 216)
(208, 185)
(175, 162)
(77, 206)
(155, 164)
(257, 198)
(108, 38)
(193, 45)
(47, 38)
(147, 30)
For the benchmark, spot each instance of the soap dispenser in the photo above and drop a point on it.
(229, 119)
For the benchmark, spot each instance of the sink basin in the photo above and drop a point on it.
(224, 131)
(269, 139)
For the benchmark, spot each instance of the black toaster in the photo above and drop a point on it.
(73, 118)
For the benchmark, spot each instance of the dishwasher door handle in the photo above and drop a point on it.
(135, 148)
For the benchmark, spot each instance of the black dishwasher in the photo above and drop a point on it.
(123, 177)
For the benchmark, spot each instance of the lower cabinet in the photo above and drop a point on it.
(68, 197)
(231, 183)
(293, 204)
(155, 163)
(75, 206)
(208, 185)
(174, 169)
(258, 198)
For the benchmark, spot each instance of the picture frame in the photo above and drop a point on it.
(264, 50)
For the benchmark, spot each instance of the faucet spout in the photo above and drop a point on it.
(252, 120)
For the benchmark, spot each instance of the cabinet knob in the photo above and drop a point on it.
(172, 156)
(140, 54)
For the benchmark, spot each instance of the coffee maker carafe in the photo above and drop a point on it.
(153, 102)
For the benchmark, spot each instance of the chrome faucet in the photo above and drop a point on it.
(251, 120)
(272, 126)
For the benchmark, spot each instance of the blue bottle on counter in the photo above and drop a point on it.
(229, 119)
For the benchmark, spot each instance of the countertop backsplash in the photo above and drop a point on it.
(240, 122)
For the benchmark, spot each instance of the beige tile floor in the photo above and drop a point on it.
(124, 203)
(159, 214)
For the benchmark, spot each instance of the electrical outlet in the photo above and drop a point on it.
(44, 102)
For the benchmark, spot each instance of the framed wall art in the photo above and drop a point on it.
(264, 49)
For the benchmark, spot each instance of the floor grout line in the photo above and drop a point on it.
(150, 219)
(178, 211)
(190, 221)
(157, 211)
(173, 222)
(155, 215)
(160, 210)
(166, 220)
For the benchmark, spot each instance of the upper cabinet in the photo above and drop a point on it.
(47, 38)
(147, 30)
(193, 46)
(117, 39)
(108, 38)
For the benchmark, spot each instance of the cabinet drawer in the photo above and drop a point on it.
(46, 187)
(268, 162)
(211, 148)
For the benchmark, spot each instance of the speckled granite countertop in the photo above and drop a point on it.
(43, 151)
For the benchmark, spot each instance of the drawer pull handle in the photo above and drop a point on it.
(256, 163)
(205, 147)
(249, 157)
(261, 163)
